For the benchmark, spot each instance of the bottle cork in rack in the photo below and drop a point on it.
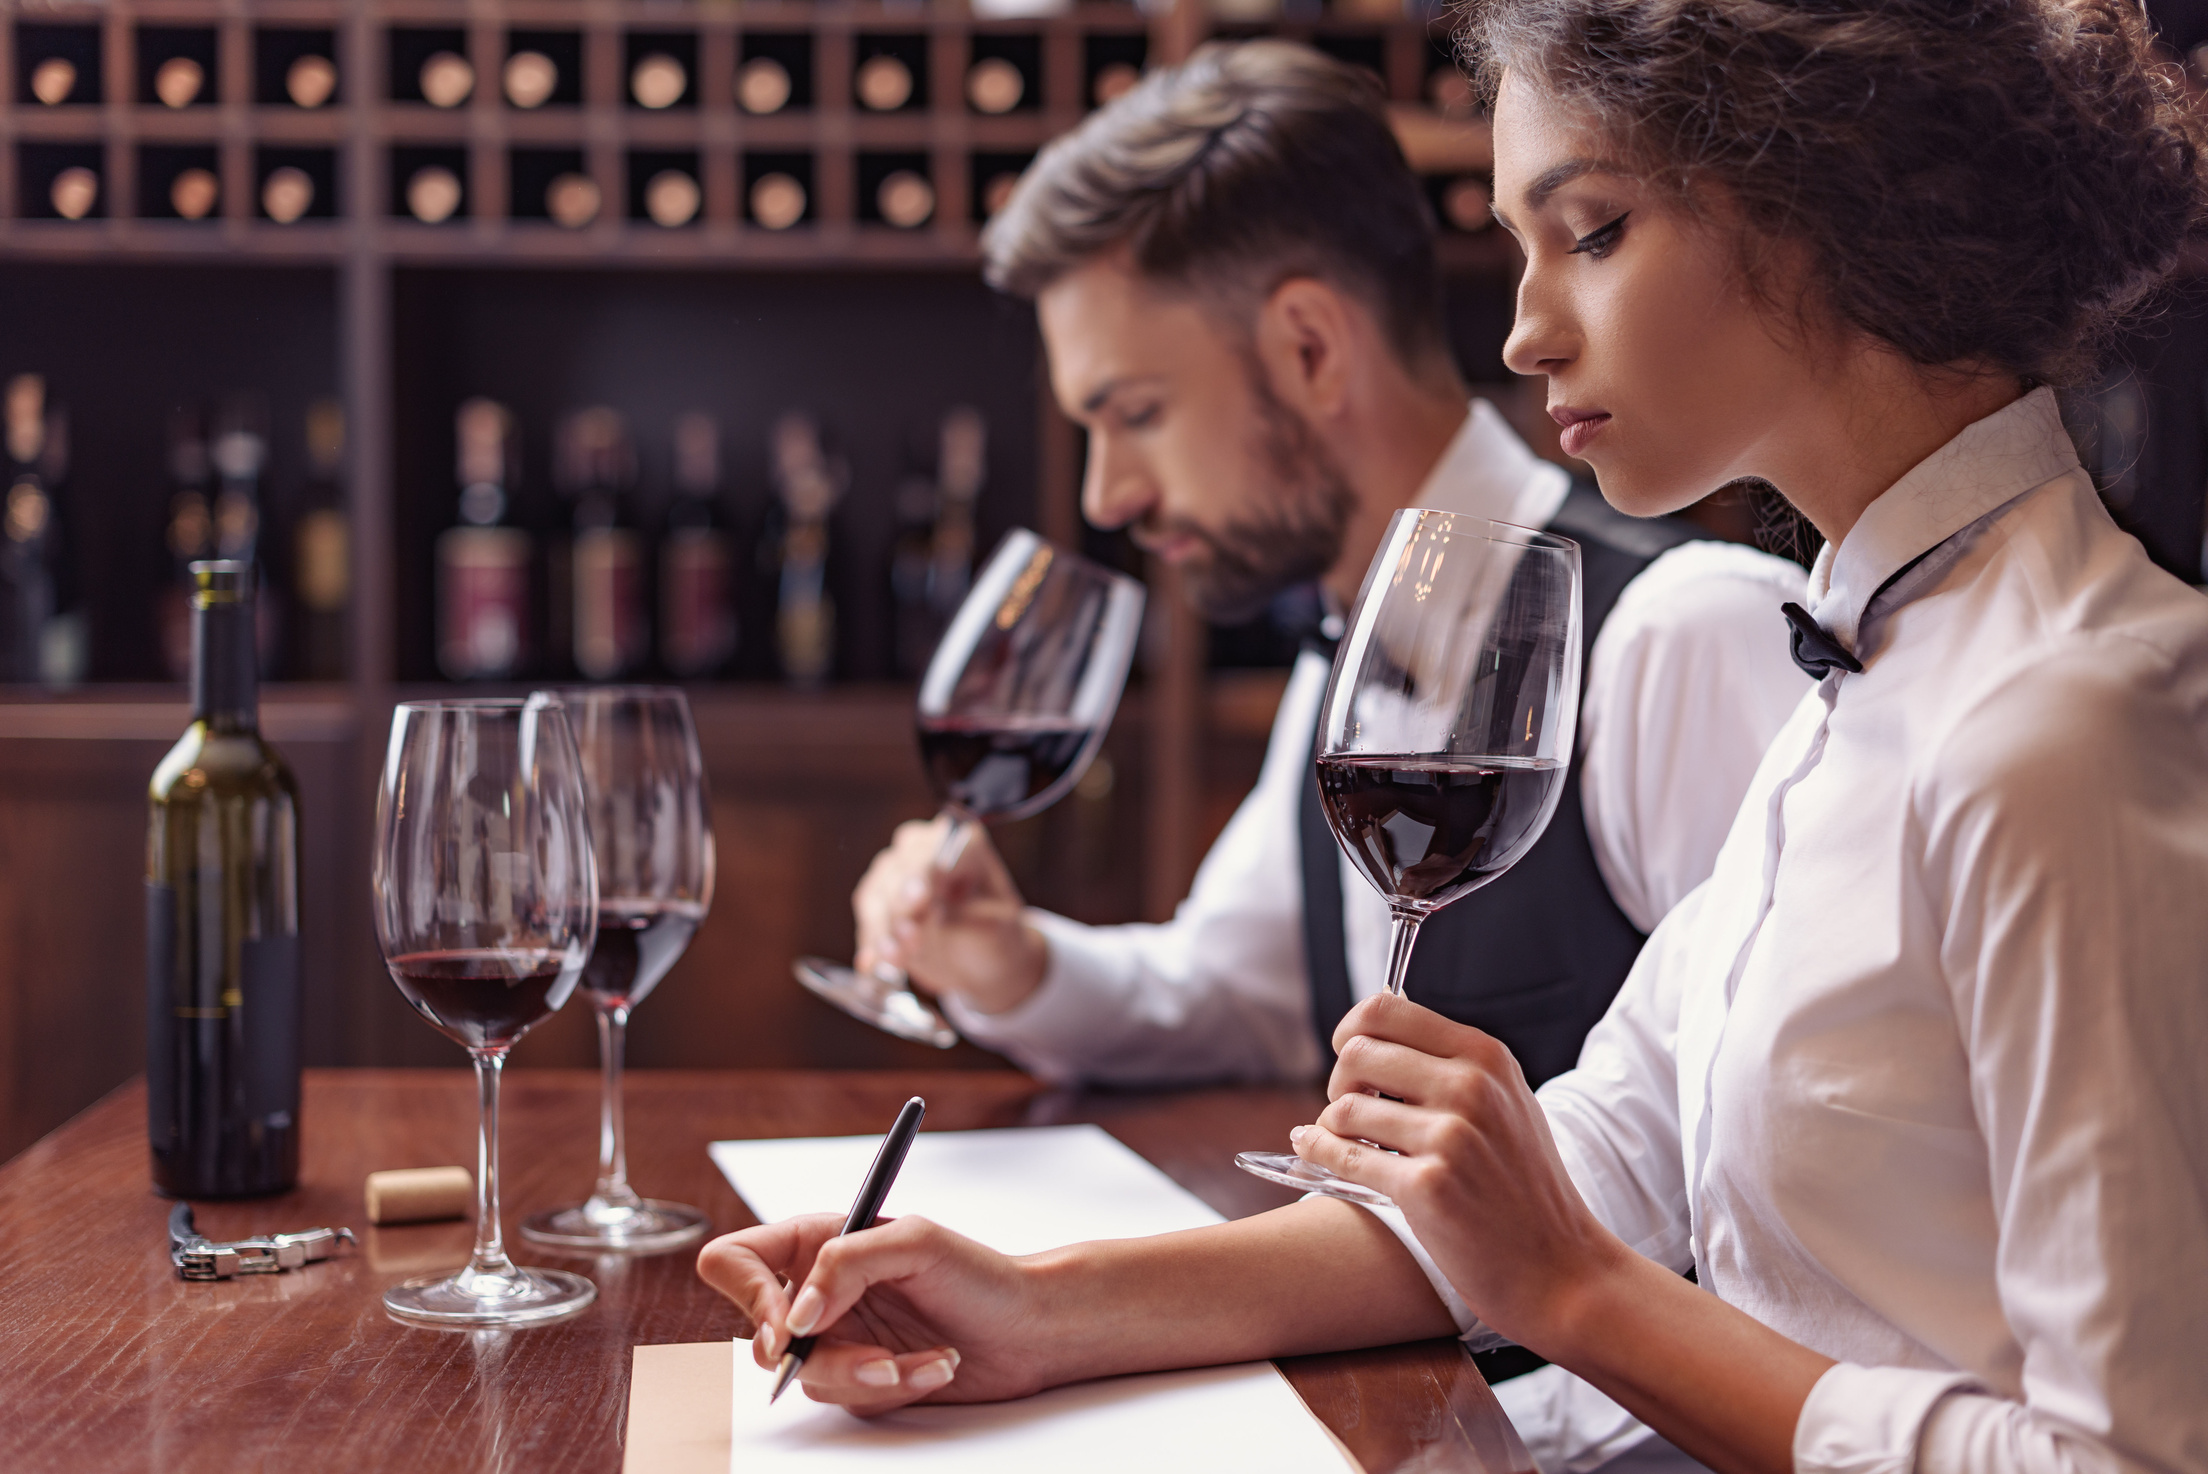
(419, 1194)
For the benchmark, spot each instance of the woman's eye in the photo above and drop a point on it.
(1140, 419)
(1602, 240)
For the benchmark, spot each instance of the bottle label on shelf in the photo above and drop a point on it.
(484, 583)
(699, 622)
(611, 636)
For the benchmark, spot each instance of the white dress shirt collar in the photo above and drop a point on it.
(1487, 471)
(1992, 462)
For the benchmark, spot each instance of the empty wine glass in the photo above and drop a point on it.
(644, 785)
(1014, 705)
(1446, 729)
(486, 902)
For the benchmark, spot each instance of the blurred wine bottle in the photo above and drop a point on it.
(222, 925)
(482, 564)
(322, 548)
(808, 482)
(934, 558)
(43, 638)
(188, 538)
(697, 614)
(611, 631)
(239, 454)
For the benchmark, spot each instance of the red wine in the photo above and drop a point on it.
(1000, 767)
(482, 998)
(637, 942)
(1428, 828)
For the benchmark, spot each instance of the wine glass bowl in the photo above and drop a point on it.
(486, 904)
(651, 832)
(1446, 732)
(1013, 707)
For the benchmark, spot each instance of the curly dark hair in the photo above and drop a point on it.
(1985, 182)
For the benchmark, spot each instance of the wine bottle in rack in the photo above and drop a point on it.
(238, 452)
(42, 632)
(321, 561)
(934, 559)
(483, 564)
(188, 537)
(222, 925)
(612, 634)
(697, 597)
(808, 481)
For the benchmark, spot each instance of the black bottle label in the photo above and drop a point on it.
(269, 981)
(163, 1120)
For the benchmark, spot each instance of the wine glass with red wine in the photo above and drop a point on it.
(486, 899)
(1014, 704)
(644, 785)
(1446, 729)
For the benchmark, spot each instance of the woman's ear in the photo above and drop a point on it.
(1308, 337)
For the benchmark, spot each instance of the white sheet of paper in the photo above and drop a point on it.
(1202, 1421)
(1018, 1191)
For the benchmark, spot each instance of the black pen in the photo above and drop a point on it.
(879, 1177)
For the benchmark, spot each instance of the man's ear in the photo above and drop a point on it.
(1306, 340)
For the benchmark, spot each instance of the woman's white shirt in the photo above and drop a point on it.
(1914, 1078)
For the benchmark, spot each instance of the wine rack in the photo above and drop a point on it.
(895, 121)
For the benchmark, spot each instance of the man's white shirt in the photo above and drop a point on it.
(1914, 1079)
(1687, 682)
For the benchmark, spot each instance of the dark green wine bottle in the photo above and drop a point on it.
(222, 925)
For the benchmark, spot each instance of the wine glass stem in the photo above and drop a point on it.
(490, 1244)
(954, 842)
(613, 1190)
(1402, 936)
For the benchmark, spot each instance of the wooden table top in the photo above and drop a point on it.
(112, 1363)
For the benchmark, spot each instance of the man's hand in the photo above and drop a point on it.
(1470, 1161)
(904, 1311)
(962, 933)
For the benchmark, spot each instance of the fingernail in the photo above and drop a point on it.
(914, 889)
(935, 1374)
(766, 1340)
(1295, 1137)
(883, 1373)
(805, 1311)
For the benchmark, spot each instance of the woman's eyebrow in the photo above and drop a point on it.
(1550, 181)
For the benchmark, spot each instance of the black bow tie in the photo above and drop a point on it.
(1815, 651)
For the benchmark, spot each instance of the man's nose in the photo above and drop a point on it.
(1114, 492)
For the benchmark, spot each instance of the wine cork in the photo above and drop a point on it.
(419, 1194)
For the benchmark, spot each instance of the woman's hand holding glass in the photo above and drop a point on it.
(1466, 1153)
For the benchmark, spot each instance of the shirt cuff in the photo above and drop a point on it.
(1869, 1420)
(1470, 1328)
(1058, 1024)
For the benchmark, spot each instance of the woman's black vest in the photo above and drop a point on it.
(1535, 957)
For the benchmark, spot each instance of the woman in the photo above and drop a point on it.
(1909, 1081)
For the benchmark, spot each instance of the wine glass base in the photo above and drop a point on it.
(525, 1297)
(891, 1009)
(1290, 1170)
(654, 1227)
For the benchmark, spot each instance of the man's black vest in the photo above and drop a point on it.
(1535, 957)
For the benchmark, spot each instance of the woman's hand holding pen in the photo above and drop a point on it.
(908, 1310)
(1471, 1163)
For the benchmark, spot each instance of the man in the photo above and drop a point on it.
(1235, 275)
(1236, 280)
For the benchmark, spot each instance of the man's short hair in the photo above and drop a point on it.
(1247, 165)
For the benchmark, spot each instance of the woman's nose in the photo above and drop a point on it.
(1540, 341)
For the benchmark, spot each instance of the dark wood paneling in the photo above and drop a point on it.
(116, 1365)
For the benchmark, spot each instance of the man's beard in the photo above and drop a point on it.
(1291, 541)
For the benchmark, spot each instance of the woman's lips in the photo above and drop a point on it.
(1580, 426)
